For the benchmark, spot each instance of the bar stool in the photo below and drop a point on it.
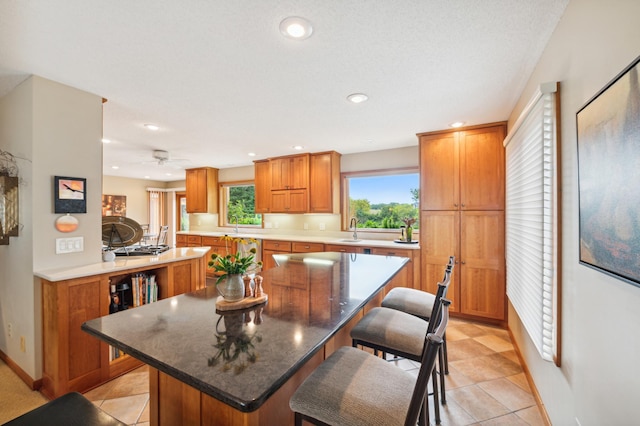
(401, 334)
(354, 388)
(71, 409)
(420, 303)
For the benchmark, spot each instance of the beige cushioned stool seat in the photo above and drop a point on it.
(351, 382)
(409, 300)
(392, 329)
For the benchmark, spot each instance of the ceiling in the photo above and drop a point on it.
(221, 81)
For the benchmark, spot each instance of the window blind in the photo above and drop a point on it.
(531, 220)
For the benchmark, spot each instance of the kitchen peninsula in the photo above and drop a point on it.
(240, 367)
(74, 361)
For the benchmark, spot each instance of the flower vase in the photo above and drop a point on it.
(409, 231)
(231, 288)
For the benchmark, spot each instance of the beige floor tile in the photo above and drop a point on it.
(127, 409)
(531, 415)
(145, 416)
(133, 383)
(495, 343)
(466, 349)
(521, 381)
(508, 394)
(479, 404)
(456, 379)
(454, 334)
(506, 420)
(471, 330)
(485, 368)
(512, 355)
(451, 414)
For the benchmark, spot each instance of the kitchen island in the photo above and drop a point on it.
(240, 367)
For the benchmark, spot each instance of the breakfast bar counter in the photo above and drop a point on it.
(240, 367)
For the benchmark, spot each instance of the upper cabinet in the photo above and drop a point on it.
(263, 186)
(324, 182)
(202, 190)
(290, 172)
(465, 169)
(305, 183)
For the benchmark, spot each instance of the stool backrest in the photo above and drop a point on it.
(443, 286)
(432, 344)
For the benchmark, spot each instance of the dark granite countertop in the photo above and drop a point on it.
(243, 357)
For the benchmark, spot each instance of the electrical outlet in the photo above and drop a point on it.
(306, 226)
(23, 345)
(10, 331)
(322, 226)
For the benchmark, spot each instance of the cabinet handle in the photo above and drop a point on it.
(307, 247)
(462, 204)
(455, 204)
(463, 262)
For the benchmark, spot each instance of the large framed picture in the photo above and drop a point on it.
(70, 195)
(608, 129)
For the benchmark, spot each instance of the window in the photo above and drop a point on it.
(182, 217)
(156, 210)
(532, 220)
(381, 200)
(238, 201)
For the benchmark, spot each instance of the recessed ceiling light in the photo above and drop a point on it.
(105, 140)
(357, 98)
(296, 28)
(151, 127)
(115, 167)
(457, 124)
(168, 174)
(252, 154)
(147, 177)
(297, 147)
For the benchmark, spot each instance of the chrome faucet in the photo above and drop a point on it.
(235, 217)
(354, 224)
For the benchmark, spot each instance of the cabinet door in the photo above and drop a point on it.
(201, 187)
(324, 182)
(298, 201)
(404, 278)
(439, 237)
(280, 201)
(439, 172)
(482, 271)
(482, 174)
(262, 186)
(299, 172)
(280, 173)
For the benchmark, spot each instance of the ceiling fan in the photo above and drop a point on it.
(162, 157)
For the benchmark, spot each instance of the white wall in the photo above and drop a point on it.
(599, 380)
(53, 130)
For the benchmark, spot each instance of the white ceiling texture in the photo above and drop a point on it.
(220, 80)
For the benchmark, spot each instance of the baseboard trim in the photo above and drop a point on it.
(33, 384)
(532, 385)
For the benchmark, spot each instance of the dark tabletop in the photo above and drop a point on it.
(243, 357)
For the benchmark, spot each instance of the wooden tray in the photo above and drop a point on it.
(247, 302)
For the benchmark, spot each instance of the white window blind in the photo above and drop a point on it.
(531, 220)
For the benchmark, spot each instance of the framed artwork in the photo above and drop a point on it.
(608, 129)
(70, 195)
(114, 205)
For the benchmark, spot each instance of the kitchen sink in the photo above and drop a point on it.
(350, 240)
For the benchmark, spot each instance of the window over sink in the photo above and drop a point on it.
(237, 202)
(381, 199)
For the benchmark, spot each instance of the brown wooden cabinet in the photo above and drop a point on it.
(262, 180)
(76, 361)
(463, 170)
(219, 247)
(290, 172)
(202, 190)
(462, 213)
(182, 240)
(324, 182)
(304, 183)
(271, 247)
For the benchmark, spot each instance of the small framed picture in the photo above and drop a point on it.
(70, 195)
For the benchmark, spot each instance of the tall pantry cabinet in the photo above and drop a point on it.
(462, 186)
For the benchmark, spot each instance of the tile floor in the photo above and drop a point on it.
(485, 385)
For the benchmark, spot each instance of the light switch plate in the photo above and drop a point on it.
(69, 245)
